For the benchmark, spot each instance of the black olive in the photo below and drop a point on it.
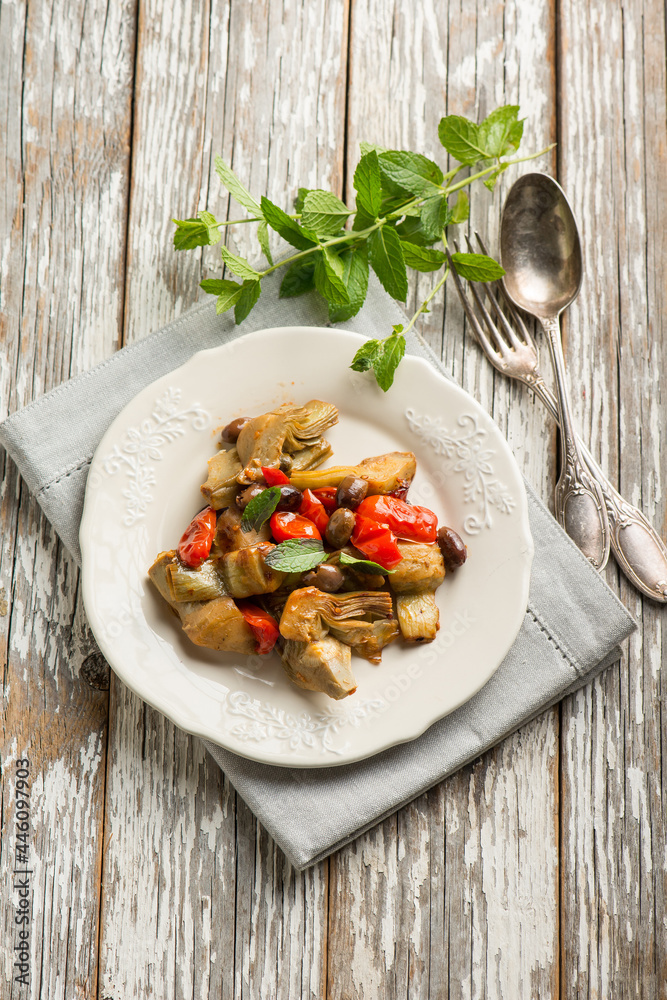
(351, 492)
(454, 552)
(340, 527)
(285, 464)
(326, 577)
(249, 493)
(290, 498)
(231, 432)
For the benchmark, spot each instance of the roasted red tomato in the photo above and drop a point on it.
(375, 541)
(263, 625)
(313, 508)
(418, 524)
(195, 545)
(327, 497)
(274, 477)
(285, 526)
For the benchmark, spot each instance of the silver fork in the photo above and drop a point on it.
(637, 547)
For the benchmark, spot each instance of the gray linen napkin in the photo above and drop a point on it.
(570, 632)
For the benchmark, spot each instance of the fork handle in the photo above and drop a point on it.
(638, 548)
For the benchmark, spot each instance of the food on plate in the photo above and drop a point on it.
(318, 563)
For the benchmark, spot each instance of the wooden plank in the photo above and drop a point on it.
(65, 75)
(458, 895)
(197, 900)
(612, 164)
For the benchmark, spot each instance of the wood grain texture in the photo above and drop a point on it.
(455, 895)
(264, 85)
(614, 154)
(65, 85)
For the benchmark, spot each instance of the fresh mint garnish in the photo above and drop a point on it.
(297, 555)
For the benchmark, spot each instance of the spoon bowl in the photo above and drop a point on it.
(540, 251)
(540, 247)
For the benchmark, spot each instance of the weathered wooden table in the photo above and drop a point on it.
(540, 871)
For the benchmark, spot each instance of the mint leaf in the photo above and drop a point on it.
(366, 356)
(324, 213)
(329, 278)
(367, 184)
(371, 147)
(299, 200)
(298, 279)
(191, 233)
(461, 139)
(386, 259)
(422, 258)
(211, 224)
(410, 172)
(461, 209)
(296, 555)
(364, 565)
(355, 278)
(362, 220)
(393, 349)
(228, 292)
(263, 237)
(413, 231)
(490, 181)
(260, 509)
(250, 292)
(500, 133)
(234, 186)
(288, 228)
(238, 265)
(477, 267)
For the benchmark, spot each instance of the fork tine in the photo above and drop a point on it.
(488, 348)
(507, 329)
(515, 316)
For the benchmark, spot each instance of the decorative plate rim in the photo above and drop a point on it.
(294, 730)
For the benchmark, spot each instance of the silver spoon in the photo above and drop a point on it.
(541, 254)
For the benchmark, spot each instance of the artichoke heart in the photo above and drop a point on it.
(383, 473)
(220, 625)
(309, 613)
(421, 568)
(311, 457)
(418, 616)
(202, 584)
(221, 486)
(367, 639)
(216, 623)
(245, 571)
(323, 665)
(288, 429)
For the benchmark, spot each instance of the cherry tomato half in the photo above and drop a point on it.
(274, 477)
(375, 541)
(285, 526)
(327, 497)
(313, 508)
(263, 625)
(195, 545)
(418, 524)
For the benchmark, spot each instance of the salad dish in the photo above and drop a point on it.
(144, 490)
(318, 563)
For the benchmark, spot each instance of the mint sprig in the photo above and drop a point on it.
(404, 204)
(363, 565)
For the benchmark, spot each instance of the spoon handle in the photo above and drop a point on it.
(638, 548)
(579, 502)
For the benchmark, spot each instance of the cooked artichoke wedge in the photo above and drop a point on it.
(311, 457)
(220, 625)
(221, 486)
(323, 666)
(287, 429)
(245, 571)
(367, 639)
(158, 573)
(421, 568)
(383, 473)
(309, 613)
(203, 584)
(418, 616)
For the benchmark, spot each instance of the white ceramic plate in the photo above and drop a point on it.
(143, 489)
